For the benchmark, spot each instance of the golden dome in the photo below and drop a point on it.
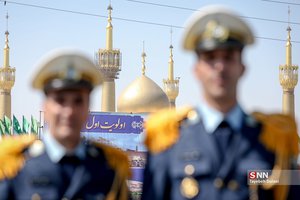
(142, 95)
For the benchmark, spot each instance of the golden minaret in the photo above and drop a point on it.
(288, 76)
(171, 85)
(109, 63)
(7, 80)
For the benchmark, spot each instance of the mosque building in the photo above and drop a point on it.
(143, 95)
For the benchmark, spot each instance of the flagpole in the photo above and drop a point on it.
(39, 130)
(40, 125)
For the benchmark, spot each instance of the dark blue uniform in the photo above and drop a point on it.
(97, 176)
(206, 154)
(191, 168)
(62, 166)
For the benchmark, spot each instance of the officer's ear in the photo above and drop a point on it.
(195, 69)
(242, 63)
(243, 69)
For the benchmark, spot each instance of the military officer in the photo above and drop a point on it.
(206, 152)
(62, 165)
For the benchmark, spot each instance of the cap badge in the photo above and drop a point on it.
(215, 31)
(71, 73)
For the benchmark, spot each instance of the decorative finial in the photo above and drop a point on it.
(171, 33)
(289, 13)
(6, 32)
(143, 46)
(171, 46)
(143, 59)
(6, 23)
(109, 8)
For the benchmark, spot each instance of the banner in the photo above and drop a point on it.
(124, 131)
(113, 123)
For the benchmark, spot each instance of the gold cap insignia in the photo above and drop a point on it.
(71, 73)
(215, 31)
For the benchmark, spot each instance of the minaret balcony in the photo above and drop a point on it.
(171, 88)
(109, 58)
(109, 63)
(7, 78)
(288, 76)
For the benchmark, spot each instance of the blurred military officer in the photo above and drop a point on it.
(62, 165)
(205, 152)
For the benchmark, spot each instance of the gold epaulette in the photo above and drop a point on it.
(162, 128)
(11, 154)
(117, 159)
(279, 135)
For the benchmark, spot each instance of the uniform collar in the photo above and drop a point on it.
(56, 151)
(211, 117)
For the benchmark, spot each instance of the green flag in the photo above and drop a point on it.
(16, 126)
(7, 125)
(2, 128)
(34, 125)
(26, 125)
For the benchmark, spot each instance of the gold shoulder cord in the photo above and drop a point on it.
(118, 161)
(162, 128)
(11, 154)
(279, 135)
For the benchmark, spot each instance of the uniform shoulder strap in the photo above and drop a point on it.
(162, 128)
(12, 154)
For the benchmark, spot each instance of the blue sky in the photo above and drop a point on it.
(35, 31)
